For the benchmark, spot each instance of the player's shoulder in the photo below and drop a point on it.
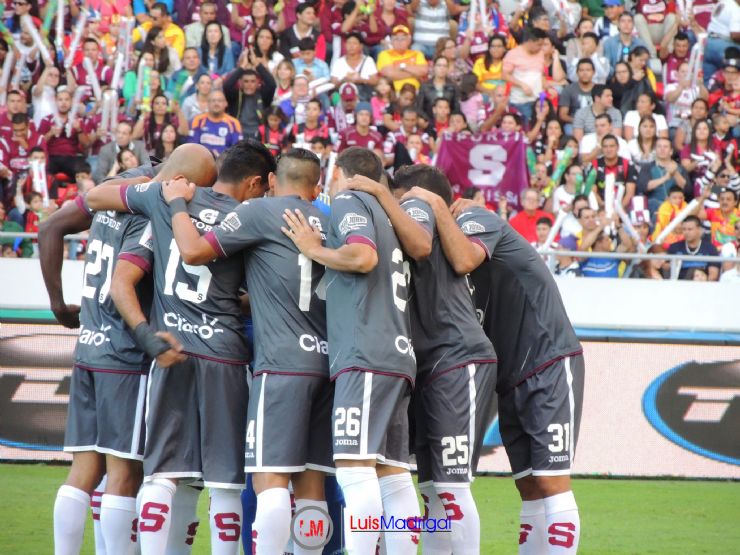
(476, 219)
(417, 209)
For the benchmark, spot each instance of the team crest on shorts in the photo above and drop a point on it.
(351, 222)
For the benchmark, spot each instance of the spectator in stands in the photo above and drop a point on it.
(695, 244)
(680, 96)
(361, 134)
(197, 103)
(431, 22)
(565, 194)
(397, 139)
(216, 130)
(439, 86)
(169, 139)
(399, 63)
(524, 68)
(577, 95)
(697, 156)
(643, 79)
(13, 247)
(63, 134)
(642, 147)
(16, 103)
(159, 16)
(489, 67)
(303, 28)
(683, 133)
(584, 120)
(166, 60)
(724, 32)
(645, 107)
(215, 57)
(109, 152)
(525, 222)
(667, 212)
(44, 95)
(125, 160)
(249, 91)
(607, 24)
(185, 78)
(77, 75)
(654, 268)
(355, 67)
(266, 48)
(653, 21)
(590, 51)
(207, 13)
(674, 59)
(731, 270)
(611, 163)
(568, 266)
(591, 144)
(307, 63)
(343, 114)
(723, 218)
(618, 47)
(658, 177)
(14, 151)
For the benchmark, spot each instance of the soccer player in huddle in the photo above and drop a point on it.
(291, 368)
(105, 425)
(371, 355)
(540, 367)
(196, 409)
(456, 368)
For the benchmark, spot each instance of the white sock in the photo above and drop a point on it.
(117, 515)
(434, 543)
(563, 523)
(70, 512)
(532, 528)
(95, 501)
(225, 517)
(399, 500)
(460, 507)
(184, 520)
(271, 528)
(318, 521)
(363, 501)
(155, 515)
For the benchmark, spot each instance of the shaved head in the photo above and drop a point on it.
(192, 161)
(298, 168)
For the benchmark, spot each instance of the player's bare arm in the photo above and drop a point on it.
(355, 257)
(162, 345)
(107, 198)
(69, 219)
(464, 255)
(194, 249)
(416, 242)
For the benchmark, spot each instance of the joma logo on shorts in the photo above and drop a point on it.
(559, 458)
(345, 442)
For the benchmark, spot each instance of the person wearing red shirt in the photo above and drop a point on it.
(525, 222)
(14, 151)
(79, 75)
(64, 135)
(16, 103)
(674, 60)
(653, 20)
(362, 134)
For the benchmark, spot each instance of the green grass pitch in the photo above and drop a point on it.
(617, 516)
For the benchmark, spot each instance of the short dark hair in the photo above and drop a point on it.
(470, 192)
(82, 167)
(246, 158)
(162, 7)
(598, 91)
(733, 192)
(92, 40)
(299, 166)
(694, 219)
(442, 99)
(544, 220)
(681, 35)
(360, 161)
(323, 141)
(579, 197)
(610, 137)
(591, 36)
(302, 7)
(35, 149)
(605, 116)
(306, 43)
(675, 189)
(585, 61)
(533, 34)
(625, 14)
(409, 110)
(428, 177)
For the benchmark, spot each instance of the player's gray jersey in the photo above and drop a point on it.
(367, 314)
(199, 305)
(523, 313)
(105, 342)
(289, 315)
(444, 324)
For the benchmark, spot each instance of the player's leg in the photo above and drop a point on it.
(396, 486)
(185, 519)
(73, 498)
(271, 528)
(356, 441)
(532, 523)
(120, 408)
(552, 455)
(308, 489)
(222, 397)
(95, 500)
(453, 406)
(172, 449)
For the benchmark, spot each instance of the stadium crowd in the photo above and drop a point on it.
(646, 92)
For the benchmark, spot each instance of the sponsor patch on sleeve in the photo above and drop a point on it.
(352, 222)
(418, 214)
(231, 222)
(472, 228)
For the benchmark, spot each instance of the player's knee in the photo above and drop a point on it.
(528, 488)
(552, 485)
(86, 471)
(308, 484)
(124, 477)
(262, 481)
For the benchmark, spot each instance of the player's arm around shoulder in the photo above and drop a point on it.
(409, 225)
(194, 249)
(358, 254)
(463, 255)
